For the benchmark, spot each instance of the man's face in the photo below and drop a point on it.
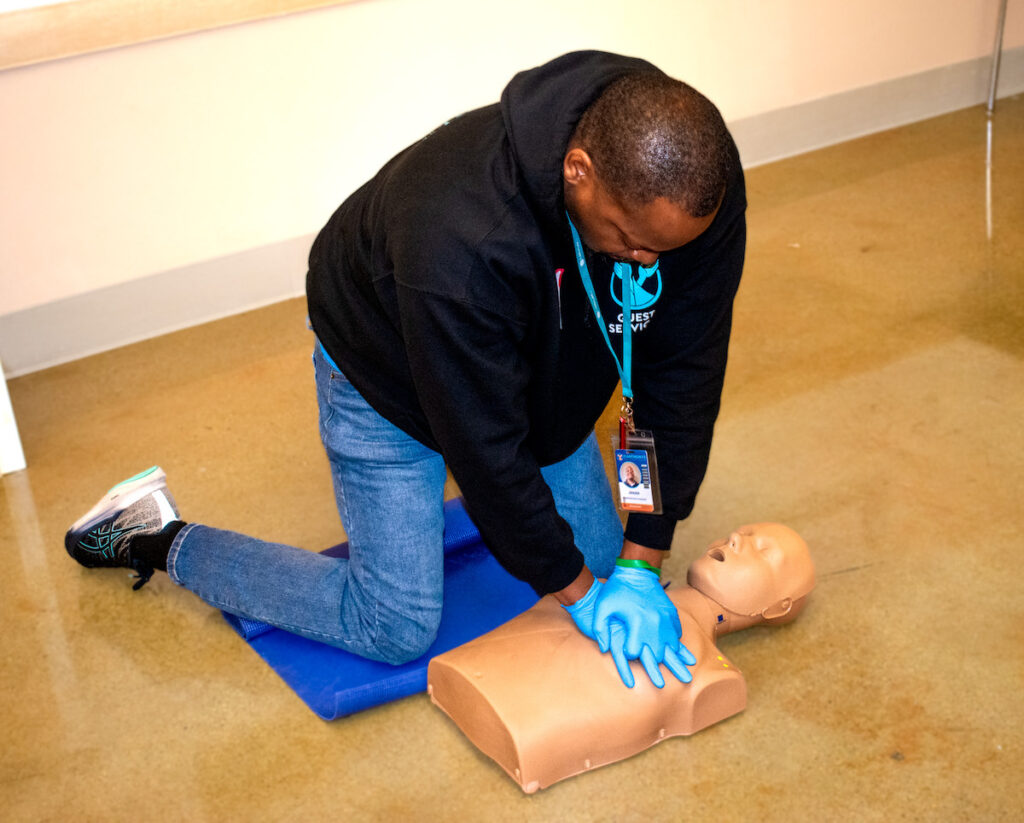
(624, 233)
(754, 568)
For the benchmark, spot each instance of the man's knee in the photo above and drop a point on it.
(406, 638)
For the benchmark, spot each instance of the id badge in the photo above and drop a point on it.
(636, 466)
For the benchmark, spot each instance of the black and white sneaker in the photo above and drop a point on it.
(136, 506)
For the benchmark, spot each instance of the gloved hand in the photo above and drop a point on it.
(634, 619)
(582, 611)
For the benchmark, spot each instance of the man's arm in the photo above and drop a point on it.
(472, 381)
(630, 551)
(576, 590)
(679, 366)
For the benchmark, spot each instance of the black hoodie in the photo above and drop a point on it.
(435, 289)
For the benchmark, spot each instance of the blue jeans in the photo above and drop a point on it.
(384, 601)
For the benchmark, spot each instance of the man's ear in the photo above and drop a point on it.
(577, 168)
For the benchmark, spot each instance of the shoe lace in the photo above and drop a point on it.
(143, 572)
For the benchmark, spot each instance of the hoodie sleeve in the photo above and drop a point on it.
(472, 382)
(678, 387)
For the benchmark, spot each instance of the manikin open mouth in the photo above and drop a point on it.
(717, 554)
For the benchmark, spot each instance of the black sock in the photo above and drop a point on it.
(152, 549)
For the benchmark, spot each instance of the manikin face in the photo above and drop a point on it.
(757, 570)
(624, 233)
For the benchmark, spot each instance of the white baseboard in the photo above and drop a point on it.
(785, 132)
(64, 330)
(96, 321)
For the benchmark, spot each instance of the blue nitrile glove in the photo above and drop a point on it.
(582, 611)
(632, 599)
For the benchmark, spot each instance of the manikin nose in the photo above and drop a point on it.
(735, 542)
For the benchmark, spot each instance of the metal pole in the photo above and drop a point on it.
(988, 176)
(997, 53)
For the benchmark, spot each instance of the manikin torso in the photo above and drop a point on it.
(542, 701)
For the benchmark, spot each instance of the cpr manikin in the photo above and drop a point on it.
(537, 696)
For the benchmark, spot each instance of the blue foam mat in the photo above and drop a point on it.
(479, 596)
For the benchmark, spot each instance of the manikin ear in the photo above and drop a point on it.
(780, 609)
(577, 168)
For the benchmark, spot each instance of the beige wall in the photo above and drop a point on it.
(140, 160)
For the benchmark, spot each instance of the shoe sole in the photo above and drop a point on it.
(120, 497)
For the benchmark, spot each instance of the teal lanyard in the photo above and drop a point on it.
(625, 272)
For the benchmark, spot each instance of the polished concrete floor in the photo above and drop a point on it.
(874, 402)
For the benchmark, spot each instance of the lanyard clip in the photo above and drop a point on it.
(626, 423)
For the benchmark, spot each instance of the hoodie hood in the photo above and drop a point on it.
(541, 107)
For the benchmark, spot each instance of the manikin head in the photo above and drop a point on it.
(763, 571)
(646, 168)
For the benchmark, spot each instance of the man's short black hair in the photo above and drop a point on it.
(652, 136)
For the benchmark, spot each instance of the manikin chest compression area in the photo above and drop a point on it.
(537, 697)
